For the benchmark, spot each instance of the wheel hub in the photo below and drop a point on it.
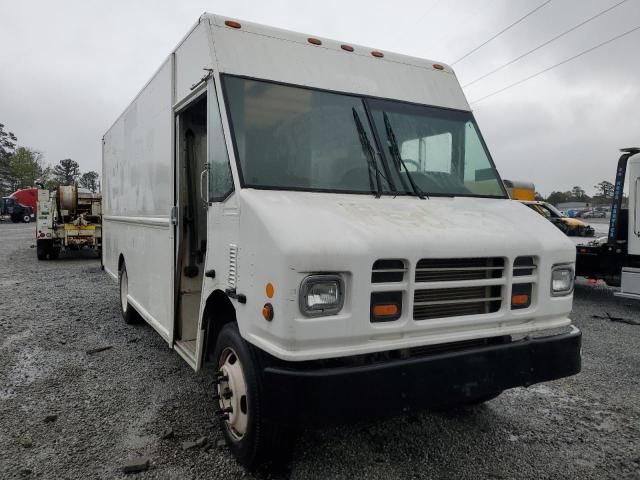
(232, 392)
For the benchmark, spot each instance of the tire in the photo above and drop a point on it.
(26, 218)
(129, 315)
(41, 249)
(482, 399)
(253, 441)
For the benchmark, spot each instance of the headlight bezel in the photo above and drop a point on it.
(572, 275)
(323, 311)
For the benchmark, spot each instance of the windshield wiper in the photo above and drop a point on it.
(395, 153)
(369, 153)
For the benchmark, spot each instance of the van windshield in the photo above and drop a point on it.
(295, 138)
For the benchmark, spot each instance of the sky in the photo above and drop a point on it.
(68, 68)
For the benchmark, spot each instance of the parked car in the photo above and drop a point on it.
(568, 225)
(16, 212)
(595, 213)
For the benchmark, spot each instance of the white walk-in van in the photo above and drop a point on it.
(321, 226)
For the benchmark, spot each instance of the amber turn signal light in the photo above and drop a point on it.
(385, 310)
(520, 299)
(269, 290)
(267, 312)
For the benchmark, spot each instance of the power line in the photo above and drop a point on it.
(543, 44)
(501, 32)
(556, 65)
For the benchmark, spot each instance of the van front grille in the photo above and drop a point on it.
(523, 266)
(453, 269)
(453, 302)
(388, 271)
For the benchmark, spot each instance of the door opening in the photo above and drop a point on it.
(191, 234)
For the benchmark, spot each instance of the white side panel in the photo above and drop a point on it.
(633, 175)
(268, 53)
(630, 281)
(192, 56)
(138, 196)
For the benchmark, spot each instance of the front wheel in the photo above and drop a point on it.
(239, 395)
(26, 218)
(129, 315)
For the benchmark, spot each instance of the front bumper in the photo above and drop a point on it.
(297, 395)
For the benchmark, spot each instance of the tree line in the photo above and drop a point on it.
(23, 167)
(603, 195)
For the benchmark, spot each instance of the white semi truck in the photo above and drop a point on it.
(321, 225)
(69, 218)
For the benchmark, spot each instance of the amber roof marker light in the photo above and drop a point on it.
(346, 48)
(232, 24)
(314, 41)
(377, 54)
(437, 66)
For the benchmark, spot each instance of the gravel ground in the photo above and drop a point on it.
(68, 414)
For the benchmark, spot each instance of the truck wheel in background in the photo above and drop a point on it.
(240, 403)
(129, 315)
(42, 247)
(26, 218)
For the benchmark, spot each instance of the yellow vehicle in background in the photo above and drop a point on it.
(525, 192)
(570, 226)
(520, 190)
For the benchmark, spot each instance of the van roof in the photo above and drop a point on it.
(260, 51)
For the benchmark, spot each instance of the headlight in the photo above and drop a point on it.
(561, 280)
(321, 295)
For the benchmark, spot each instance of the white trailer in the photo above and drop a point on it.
(321, 224)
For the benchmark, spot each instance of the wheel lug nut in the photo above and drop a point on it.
(227, 393)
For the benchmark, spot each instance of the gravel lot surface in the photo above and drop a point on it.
(65, 413)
